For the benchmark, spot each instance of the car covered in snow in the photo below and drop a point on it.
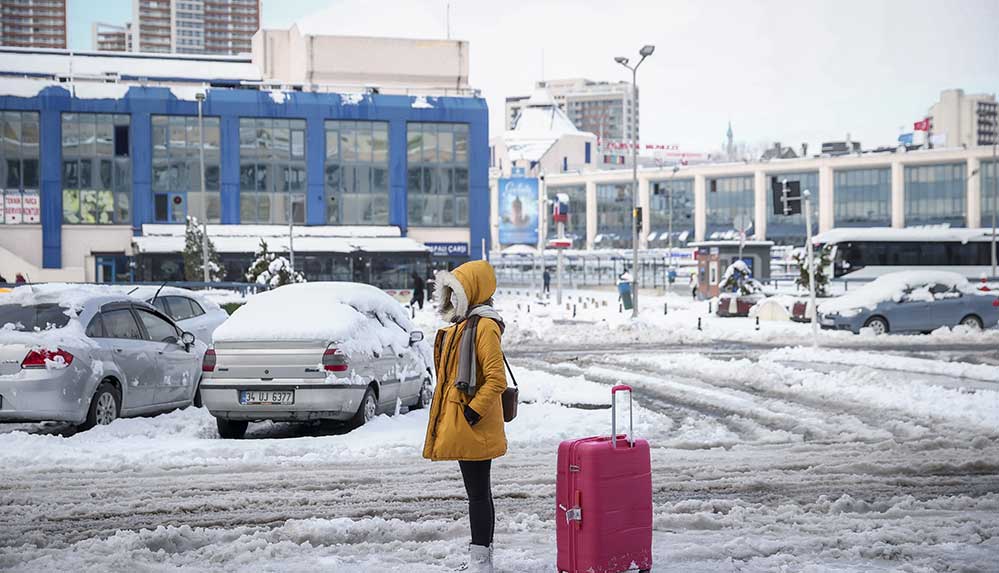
(88, 355)
(315, 351)
(191, 311)
(911, 301)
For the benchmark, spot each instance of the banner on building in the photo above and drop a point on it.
(31, 209)
(922, 125)
(12, 207)
(518, 211)
(448, 249)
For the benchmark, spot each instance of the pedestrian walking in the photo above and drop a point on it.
(466, 416)
(19, 279)
(546, 278)
(418, 294)
(693, 285)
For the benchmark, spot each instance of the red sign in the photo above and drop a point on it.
(923, 125)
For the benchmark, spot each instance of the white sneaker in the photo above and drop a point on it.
(480, 559)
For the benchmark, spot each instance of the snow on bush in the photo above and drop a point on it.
(272, 270)
(194, 262)
(738, 278)
(891, 287)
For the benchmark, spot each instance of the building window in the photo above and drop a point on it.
(988, 192)
(614, 205)
(935, 195)
(357, 173)
(862, 198)
(176, 158)
(726, 198)
(681, 192)
(437, 178)
(96, 169)
(271, 170)
(575, 227)
(19, 201)
(790, 229)
(587, 152)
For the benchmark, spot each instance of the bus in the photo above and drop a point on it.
(866, 254)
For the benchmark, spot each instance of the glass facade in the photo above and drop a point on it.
(862, 197)
(614, 205)
(357, 173)
(575, 227)
(96, 169)
(176, 157)
(790, 229)
(726, 198)
(271, 170)
(935, 195)
(19, 202)
(681, 193)
(988, 171)
(437, 174)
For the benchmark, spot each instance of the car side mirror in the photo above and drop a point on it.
(415, 336)
(187, 339)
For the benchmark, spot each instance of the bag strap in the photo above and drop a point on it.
(510, 370)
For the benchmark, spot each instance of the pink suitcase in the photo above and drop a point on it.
(603, 502)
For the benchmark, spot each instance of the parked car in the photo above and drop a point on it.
(190, 310)
(315, 351)
(91, 355)
(911, 301)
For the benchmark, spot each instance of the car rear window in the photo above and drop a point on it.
(28, 318)
(180, 308)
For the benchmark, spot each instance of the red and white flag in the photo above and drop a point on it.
(923, 125)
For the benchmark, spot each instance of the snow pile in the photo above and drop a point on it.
(891, 287)
(363, 317)
(420, 102)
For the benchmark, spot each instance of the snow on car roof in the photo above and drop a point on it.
(69, 295)
(888, 286)
(323, 311)
(147, 292)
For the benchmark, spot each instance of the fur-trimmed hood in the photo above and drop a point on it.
(471, 284)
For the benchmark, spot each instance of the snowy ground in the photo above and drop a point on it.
(869, 454)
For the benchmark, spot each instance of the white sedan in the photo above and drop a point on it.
(191, 311)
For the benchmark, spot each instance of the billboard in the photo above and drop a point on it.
(518, 211)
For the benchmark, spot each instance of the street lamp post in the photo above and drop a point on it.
(995, 188)
(669, 228)
(200, 96)
(645, 52)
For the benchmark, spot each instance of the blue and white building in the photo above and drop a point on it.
(100, 157)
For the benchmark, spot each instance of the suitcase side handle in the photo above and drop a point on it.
(631, 415)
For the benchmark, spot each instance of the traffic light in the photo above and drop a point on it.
(637, 213)
(786, 196)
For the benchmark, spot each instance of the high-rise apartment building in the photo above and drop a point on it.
(194, 26)
(602, 108)
(960, 119)
(33, 23)
(111, 38)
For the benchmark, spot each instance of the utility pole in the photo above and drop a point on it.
(995, 188)
(812, 314)
(645, 52)
(669, 229)
(200, 96)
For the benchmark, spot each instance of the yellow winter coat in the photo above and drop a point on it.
(449, 436)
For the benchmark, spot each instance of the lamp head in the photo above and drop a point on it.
(621, 60)
(647, 50)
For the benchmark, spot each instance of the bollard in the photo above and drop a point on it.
(573, 311)
(413, 308)
(698, 323)
(528, 309)
(518, 306)
(709, 307)
(665, 308)
(620, 307)
(757, 323)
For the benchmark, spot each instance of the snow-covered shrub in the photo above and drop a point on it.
(193, 258)
(270, 269)
(822, 257)
(738, 278)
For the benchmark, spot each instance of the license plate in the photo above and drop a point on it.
(267, 397)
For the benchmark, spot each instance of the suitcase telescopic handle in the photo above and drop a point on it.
(631, 415)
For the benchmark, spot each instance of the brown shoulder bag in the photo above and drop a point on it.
(510, 396)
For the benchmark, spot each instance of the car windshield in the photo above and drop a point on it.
(28, 318)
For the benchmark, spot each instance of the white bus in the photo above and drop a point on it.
(871, 252)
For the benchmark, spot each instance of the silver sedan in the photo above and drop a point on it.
(79, 355)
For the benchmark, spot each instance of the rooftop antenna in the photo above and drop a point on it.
(158, 292)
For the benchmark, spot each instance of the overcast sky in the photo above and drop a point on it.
(793, 71)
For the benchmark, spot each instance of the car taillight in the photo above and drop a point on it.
(334, 360)
(38, 358)
(996, 302)
(208, 362)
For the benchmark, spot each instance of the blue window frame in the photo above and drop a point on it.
(614, 205)
(357, 172)
(681, 193)
(935, 195)
(271, 170)
(988, 170)
(96, 169)
(588, 151)
(438, 178)
(176, 157)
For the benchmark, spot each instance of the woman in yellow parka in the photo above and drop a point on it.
(466, 416)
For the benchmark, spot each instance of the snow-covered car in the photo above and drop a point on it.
(911, 301)
(315, 351)
(191, 311)
(89, 355)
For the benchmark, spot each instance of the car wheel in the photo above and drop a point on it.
(426, 395)
(972, 322)
(104, 407)
(877, 325)
(367, 410)
(231, 429)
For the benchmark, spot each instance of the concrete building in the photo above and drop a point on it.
(949, 187)
(102, 150)
(33, 23)
(195, 26)
(601, 108)
(111, 38)
(544, 141)
(961, 119)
